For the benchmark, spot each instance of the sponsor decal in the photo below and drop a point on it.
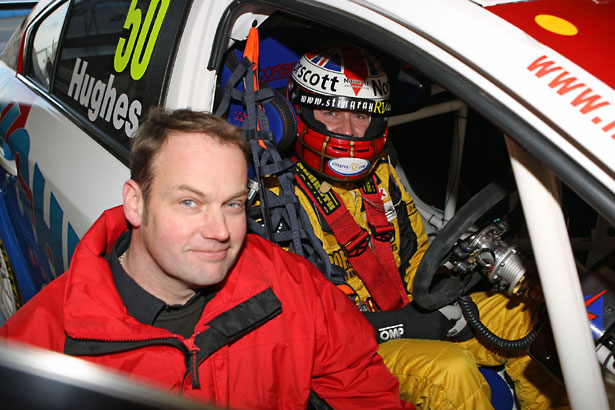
(336, 82)
(343, 103)
(31, 191)
(589, 103)
(324, 83)
(391, 332)
(137, 49)
(102, 99)
(595, 306)
(348, 166)
(275, 72)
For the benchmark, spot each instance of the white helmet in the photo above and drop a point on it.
(339, 76)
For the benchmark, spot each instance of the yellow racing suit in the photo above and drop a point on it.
(438, 374)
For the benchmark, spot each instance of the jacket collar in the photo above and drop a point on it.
(93, 309)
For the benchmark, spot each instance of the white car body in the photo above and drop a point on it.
(551, 105)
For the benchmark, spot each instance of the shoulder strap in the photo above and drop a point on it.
(277, 217)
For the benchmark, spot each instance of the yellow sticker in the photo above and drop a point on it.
(139, 46)
(556, 25)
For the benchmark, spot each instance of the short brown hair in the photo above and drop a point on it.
(160, 123)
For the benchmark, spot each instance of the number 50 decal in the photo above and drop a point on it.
(142, 36)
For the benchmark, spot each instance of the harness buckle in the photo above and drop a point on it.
(382, 233)
(357, 244)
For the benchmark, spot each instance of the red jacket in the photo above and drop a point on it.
(290, 331)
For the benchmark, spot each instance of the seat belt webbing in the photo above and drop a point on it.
(380, 274)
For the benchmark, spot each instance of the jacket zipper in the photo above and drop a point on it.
(188, 347)
(194, 365)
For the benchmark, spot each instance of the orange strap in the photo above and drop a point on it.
(251, 51)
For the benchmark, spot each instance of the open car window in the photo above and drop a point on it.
(448, 141)
(444, 149)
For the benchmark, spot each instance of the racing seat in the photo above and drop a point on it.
(279, 50)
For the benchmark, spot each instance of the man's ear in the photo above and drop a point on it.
(133, 203)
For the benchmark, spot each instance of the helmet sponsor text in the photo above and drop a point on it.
(343, 103)
(335, 83)
(348, 166)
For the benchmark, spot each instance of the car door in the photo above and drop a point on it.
(88, 72)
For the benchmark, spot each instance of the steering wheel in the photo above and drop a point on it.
(448, 290)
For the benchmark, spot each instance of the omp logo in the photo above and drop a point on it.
(43, 210)
(391, 332)
(348, 166)
(101, 99)
(580, 95)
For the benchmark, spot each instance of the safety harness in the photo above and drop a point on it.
(375, 266)
(277, 217)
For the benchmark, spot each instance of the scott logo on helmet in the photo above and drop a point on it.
(314, 79)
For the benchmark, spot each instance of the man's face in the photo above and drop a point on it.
(196, 221)
(353, 124)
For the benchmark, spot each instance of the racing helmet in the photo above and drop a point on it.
(339, 76)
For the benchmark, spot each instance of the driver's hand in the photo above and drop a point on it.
(460, 331)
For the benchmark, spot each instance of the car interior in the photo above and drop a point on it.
(450, 158)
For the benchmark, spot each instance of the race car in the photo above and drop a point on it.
(481, 90)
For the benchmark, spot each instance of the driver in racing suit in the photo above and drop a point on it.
(346, 184)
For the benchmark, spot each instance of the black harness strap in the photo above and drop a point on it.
(277, 217)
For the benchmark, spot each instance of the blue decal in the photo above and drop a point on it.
(47, 257)
(49, 237)
(595, 306)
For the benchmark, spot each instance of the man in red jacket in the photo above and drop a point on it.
(170, 289)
